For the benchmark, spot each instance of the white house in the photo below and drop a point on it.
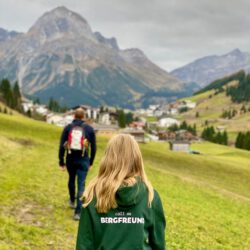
(92, 113)
(189, 104)
(180, 146)
(104, 118)
(140, 112)
(68, 118)
(54, 118)
(41, 109)
(107, 130)
(157, 111)
(167, 122)
(138, 134)
(153, 107)
(149, 112)
(27, 105)
(173, 111)
(60, 120)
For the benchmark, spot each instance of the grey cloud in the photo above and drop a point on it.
(171, 32)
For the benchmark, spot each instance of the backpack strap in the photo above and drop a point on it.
(71, 126)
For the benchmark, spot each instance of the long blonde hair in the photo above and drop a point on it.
(121, 163)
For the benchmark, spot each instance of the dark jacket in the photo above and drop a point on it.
(131, 226)
(90, 136)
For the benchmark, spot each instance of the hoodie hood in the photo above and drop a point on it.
(131, 195)
(77, 122)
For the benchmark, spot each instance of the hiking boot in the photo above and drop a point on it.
(71, 204)
(77, 217)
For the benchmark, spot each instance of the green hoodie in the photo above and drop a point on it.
(131, 226)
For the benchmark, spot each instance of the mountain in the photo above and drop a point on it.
(7, 35)
(110, 42)
(61, 57)
(205, 70)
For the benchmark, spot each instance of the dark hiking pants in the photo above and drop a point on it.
(77, 168)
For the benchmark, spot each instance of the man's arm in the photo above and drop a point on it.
(92, 146)
(64, 138)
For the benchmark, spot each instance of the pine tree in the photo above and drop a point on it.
(101, 109)
(224, 114)
(121, 119)
(243, 109)
(225, 138)
(239, 140)
(6, 91)
(246, 142)
(29, 114)
(194, 129)
(173, 128)
(203, 134)
(37, 101)
(53, 105)
(184, 125)
(5, 110)
(234, 113)
(218, 138)
(208, 134)
(211, 133)
(129, 117)
(17, 98)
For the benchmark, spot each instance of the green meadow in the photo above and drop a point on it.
(210, 107)
(206, 197)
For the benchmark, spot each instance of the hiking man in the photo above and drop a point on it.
(76, 139)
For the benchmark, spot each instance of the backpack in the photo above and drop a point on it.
(76, 139)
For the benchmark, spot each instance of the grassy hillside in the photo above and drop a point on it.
(210, 108)
(206, 197)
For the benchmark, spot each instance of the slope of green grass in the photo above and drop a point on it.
(199, 97)
(205, 197)
(210, 108)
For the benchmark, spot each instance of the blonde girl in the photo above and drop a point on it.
(121, 211)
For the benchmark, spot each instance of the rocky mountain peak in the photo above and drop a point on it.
(58, 23)
(110, 42)
(236, 52)
(134, 52)
(6, 35)
(133, 55)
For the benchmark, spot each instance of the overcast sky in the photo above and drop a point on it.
(170, 32)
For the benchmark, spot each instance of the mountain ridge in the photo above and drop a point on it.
(60, 54)
(7, 35)
(207, 69)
